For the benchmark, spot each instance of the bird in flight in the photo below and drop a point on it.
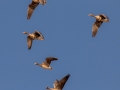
(99, 20)
(58, 85)
(36, 35)
(33, 5)
(46, 63)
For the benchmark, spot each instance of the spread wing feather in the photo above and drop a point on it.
(95, 27)
(31, 8)
(62, 82)
(49, 59)
(29, 42)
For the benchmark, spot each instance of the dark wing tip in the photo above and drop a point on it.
(68, 75)
(52, 58)
(93, 35)
(29, 42)
(55, 58)
(29, 48)
(28, 17)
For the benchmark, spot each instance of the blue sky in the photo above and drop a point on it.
(93, 63)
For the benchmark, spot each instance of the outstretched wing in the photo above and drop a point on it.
(29, 42)
(63, 81)
(39, 35)
(95, 27)
(31, 8)
(49, 59)
(104, 16)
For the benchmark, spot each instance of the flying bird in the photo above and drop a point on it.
(36, 35)
(59, 85)
(46, 63)
(33, 5)
(99, 20)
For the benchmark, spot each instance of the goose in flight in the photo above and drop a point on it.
(36, 35)
(46, 63)
(58, 85)
(33, 5)
(99, 20)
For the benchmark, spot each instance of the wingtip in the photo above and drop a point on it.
(93, 35)
(29, 48)
(28, 18)
(56, 58)
(68, 75)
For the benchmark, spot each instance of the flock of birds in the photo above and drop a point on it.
(58, 84)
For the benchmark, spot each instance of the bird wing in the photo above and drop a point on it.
(95, 27)
(29, 42)
(31, 8)
(49, 59)
(39, 35)
(63, 81)
(105, 17)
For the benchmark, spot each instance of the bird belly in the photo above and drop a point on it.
(36, 1)
(54, 89)
(45, 66)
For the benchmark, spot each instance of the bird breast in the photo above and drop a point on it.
(46, 66)
(32, 36)
(98, 18)
(54, 89)
(37, 1)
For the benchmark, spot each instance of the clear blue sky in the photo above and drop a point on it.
(93, 63)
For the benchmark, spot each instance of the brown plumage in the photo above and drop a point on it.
(32, 7)
(29, 42)
(49, 59)
(36, 35)
(99, 20)
(95, 27)
(47, 62)
(59, 85)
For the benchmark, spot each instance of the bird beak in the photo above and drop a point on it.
(24, 33)
(91, 15)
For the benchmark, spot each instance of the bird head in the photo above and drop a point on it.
(36, 63)
(91, 15)
(25, 33)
